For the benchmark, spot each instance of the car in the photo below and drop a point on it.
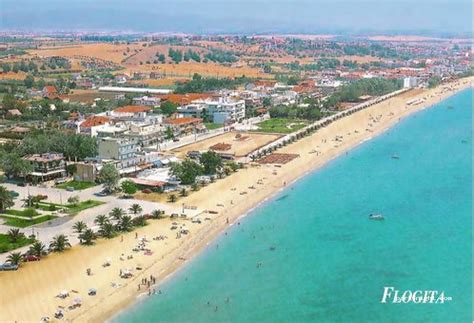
(14, 194)
(21, 184)
(7, 266)
(175, 139)
(31, 258)
(70, 189)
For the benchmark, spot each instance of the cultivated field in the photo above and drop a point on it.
(240, 148)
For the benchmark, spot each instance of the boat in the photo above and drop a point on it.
(395, 157)
(376, 217)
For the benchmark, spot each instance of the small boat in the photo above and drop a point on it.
(395, 157)
(376, 217)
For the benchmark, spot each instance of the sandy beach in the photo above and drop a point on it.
(30, 293)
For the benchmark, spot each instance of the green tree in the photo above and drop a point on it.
(186, 171)
(87, 237)
(168, 108)
(109, 177)
(172, 198)
(60, 243)
(73, 200)
(211, 162)
(156, 214)
(14, 166)
(116, 213)
(125, 223)
(14, 235)
(79, 226)
(37, 249)
(15, 258)
(29, 81)
(101, 219)
(107, 230)
(129, 187)
(135, 208)
(6, 199)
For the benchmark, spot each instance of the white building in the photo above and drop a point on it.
(409, 82)
(147, 101)
(221, 110)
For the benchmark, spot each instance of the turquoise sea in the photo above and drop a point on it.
(321, 258)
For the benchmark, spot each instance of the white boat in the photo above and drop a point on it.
(395, 157)
(376, 217)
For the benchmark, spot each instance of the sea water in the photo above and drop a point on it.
(311, 254)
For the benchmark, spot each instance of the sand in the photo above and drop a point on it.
(29, 293)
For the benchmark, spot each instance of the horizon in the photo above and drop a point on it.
(347, 17)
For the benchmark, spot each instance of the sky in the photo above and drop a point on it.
(240, 16)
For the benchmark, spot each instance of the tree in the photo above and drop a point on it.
(101, 219)
(6, 199)
(73, 200)
(109, 177)
(14, 166)
(168, 108)
(79, 226)
(211, 162)
(37, 249)
(129, 187)
(172, 198)
(60, 243)
(125, 223)
(29, 81)
(135, 208)
(162, 58)
(107, 230)
(169, 134)
(140, 221)
(183, 192)
(14, 235)
(15, 258)
(156, 214)
(87, 237)
(186, 171)
(116, 213)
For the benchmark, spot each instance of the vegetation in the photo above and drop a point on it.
(186, 171)
(15, 258)
(310, 112)
(129, 187)
(109, 177)
(281, 125)
(211, 162)
(23, 223)
(353, 91)
(6, 199)
(37, 249)
(199, 84)
(434, 81)
(60, 243)
(6, 244)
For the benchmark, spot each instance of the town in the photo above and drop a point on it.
(111, 122)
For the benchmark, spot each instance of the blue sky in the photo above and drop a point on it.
(240, 16)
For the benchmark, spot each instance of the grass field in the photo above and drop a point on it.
(212, 126)
(23, 223)
(281, 125)
(6, 245)
(76, 185)
(81, 206)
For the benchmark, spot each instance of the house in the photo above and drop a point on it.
(185, 125)
(221, 110)
(85, 172)
(130, 112)
(50, 92)
(92, 125)
(121, 78)
(46, 167)
(116, 148)
(147, 101)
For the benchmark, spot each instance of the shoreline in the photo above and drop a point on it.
(111, 302)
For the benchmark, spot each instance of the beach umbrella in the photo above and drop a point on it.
(77, 300)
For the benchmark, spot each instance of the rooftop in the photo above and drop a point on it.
(94, 121)
(132, 109)
(181, 121)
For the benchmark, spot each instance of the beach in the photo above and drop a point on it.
(29, 294)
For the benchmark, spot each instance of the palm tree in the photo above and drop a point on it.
(15, 258)
(125, 223)
(194, 187)
(172, 198)
(183, 192)
(14, 235)
(101, 219)
(135, 208)
(116, 213)
(156, 214)
(140, 221)
(79, 226)
(87, 237)
(6, 199)
(107, 230)
(60, 243)
(37, 249)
